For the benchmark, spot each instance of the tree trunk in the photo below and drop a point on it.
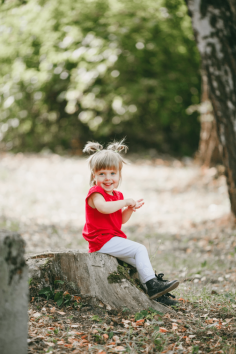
(13, 295)
(214, 24)
(94, 277)
(208, 151)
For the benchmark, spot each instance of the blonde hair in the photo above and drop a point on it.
(108, 158)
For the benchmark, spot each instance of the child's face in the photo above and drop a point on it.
(107, 179)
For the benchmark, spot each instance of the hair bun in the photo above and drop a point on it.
(92, 147)
(117, 146)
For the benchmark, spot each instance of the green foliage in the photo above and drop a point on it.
(110, 335)
(159, 344)
(95, 318)
(59, 282)
(148, 314)
(97, 69)
(58, 296)
(47, 292)
(140, 315)
(195, 349)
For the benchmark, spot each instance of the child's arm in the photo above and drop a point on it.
(97, 201)
(127, 212)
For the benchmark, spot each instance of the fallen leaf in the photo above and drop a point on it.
(163, 330)
(105, 336)
(167, 315)
(74, 326)
(146, 324)
(72, 340)
(205, 315)
(60, 342)
(227, 320)
(61, 313)
(209, 321)
(119, 349)
(76, 298)
(188, 340)
(183, 329)
(116, 338)
(174, 326)
(125, 321)
(126, 325)
(52, 309)
(49, 343)
(140, 322)
(37, 314)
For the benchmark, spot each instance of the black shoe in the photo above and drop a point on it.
(160, 276)
(158, 287)
(166, 300)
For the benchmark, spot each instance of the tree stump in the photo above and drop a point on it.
(93, 276)
(13, 294)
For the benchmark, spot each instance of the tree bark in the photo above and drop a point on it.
(13, 295)
(214, 25)
(208, 151)
(86, 274)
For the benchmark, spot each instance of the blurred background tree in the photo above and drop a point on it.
(73, 71)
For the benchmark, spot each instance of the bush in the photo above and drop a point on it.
(73, 71)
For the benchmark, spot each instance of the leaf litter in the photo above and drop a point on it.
(185, 225)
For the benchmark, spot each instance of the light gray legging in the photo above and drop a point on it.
(130, 252)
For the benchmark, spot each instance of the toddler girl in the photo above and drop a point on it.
(107, 210)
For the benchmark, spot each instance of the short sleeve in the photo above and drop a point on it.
(96, 189)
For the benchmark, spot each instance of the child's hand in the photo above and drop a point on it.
(139, 203)
(130, 203)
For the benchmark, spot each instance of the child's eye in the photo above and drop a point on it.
(113, 173)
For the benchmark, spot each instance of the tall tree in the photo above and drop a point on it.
(214, 24)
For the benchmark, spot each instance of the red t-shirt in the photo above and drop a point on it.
(100, 228)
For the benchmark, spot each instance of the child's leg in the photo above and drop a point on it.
(130, 252)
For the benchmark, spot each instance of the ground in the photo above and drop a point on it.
(185, 225)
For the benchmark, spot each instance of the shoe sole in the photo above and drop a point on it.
(172, 287)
